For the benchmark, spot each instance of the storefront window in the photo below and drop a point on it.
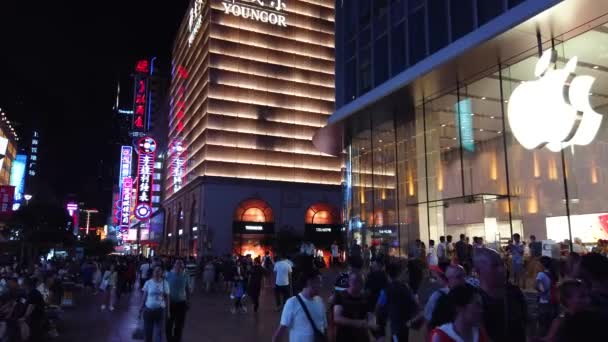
(452, 164)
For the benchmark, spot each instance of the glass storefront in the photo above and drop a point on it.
(451, 164)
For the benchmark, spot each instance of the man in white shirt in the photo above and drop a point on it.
(441, 250)
(282, 271)
(294, 318)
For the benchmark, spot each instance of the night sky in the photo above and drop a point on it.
(59, 66)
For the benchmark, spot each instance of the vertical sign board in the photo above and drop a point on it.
(146, 147)
(125, 204)
(7, 194)
(140, 100)
(126, 155)
(17, 179)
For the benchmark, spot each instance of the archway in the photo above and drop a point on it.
(323, 227)
(253, 225)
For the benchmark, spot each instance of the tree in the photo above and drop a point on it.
(39, 226)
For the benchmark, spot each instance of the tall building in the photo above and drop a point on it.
(251, 83)
(460, 127)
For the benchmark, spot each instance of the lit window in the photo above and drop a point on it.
(34, 141)
(156, 187)
(34, 149)
(34, 157)
(157, 176)
(35, 134)
(32, 172)
(158, 165)
(155, 199)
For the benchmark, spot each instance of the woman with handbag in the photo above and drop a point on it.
(155, 306)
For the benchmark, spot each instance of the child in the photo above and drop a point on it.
(574, 297)
(237, 296)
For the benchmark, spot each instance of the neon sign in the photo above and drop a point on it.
(140, 101)
(265, 11)
(558, 101)
(323, 230)
(17, 178)
(125, 203)
(195, 20)
(255, 228)
(146, 148)
(126, 155)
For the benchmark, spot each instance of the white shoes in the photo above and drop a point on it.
(103, 307)
(111, 308)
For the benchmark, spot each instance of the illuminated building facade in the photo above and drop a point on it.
(8, 148)
(251, 83)
(466, 129)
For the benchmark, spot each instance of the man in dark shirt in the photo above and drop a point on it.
(399, 303)
(536, 247)
(461, 250)
(504, 305)
(34, 314)
(351, 310)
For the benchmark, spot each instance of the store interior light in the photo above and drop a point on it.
(596, 67)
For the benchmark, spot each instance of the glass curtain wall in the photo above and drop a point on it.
(452, 165)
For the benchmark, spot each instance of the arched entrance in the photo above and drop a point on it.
(253, 224)
(323, 226)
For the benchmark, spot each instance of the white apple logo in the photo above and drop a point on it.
(554, 110)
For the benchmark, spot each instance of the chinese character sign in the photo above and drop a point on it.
(146, 148)
(125, 203)
(142, 66)
(126, 155)
(7, 194)
(140, 101)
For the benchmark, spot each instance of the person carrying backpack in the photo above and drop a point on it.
(546, 285)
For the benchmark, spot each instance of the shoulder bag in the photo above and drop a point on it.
(319, 336)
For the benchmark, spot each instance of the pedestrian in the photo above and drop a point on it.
(108, 285)
(254, 287)
(35, 314)
(461, 251)
(179, 296)
(376, 281)
(437, 310)
(441, 250)
(353, 312)
(208, 276)
(335, 254)
(97, 275)
(130, 276)
(449, 248)
(592, 270)
(431, 257)
(145, 272)
(504, 305)
(155, 306)
(282, 273)
(574, 298)
(466, 323)
(238, 292)
(398, 301)
(303, 315)
(517, 260)
(546, 281)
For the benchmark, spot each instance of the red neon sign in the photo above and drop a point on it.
(142, 66)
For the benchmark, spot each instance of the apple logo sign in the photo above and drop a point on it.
(554, 110)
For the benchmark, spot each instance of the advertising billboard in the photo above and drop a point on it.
(146, 149)
(17, 179)
(140, 100)
(7, 194)
(126, 156)
(125, 203)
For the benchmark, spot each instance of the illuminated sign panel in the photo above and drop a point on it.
(464, 119)
(255, 228)
(265, 11)
(33, 154)
(195, 20)
(17, 178)
(146, 148)
(140, 101)
(558, 101)
(125, 203)
(323, 230)
(126, 156)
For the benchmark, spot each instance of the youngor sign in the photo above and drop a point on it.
(271, 12)
(146, 148)
(558, 102)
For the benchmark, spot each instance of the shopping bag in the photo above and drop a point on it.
(138, 333)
